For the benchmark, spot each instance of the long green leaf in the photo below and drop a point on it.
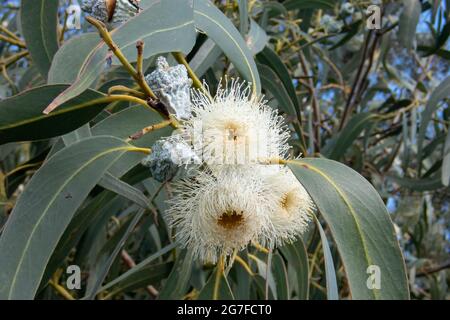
(330, 273)
(140, 275)
(122, 188)
(21, 116)
(46, 207)
(39, 19)
(219, 28)
(297, 258)
(336, 147)
(408, 22)
(360, 225)
(446, 162)
(109, 253)
(70, 57)
(441, 92)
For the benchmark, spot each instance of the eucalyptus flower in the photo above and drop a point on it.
(111, 11)
(234, 127)
(217, 213)
(292, 211)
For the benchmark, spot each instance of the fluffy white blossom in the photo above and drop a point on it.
(234, 127)
(216, 213)
(292, 211)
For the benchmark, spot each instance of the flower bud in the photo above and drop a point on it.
(172, 86)
(111, 11)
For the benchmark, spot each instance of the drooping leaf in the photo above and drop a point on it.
(408, 22)
(442, 91)
(122, 188)
(336, 147)
(217, 287)
(271, 82)
(360, 225)
(109, 253)
(46, 207)
(70, 57)
(446, 162)
(330, 273)
(297, 258)
(21, 116)
(39, 20)
(219, 28)
(178, 280)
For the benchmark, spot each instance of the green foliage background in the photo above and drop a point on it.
(368, 110)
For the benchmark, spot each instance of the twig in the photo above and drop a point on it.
(151, 128)
(131, 264)
(106, 36)
(314, 102)
(427, 271)
(13, 41)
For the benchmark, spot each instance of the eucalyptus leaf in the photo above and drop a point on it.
(360, 225)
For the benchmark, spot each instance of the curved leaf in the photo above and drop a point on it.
(70, 57)
(39, 19)
(297, 258)
(330, 273)
(273, 84)
(21, 116)
(336, 147)
(46, 207)
(408, 22)
(162, 20)
(441, 92)
(219, 28)
(360, 225)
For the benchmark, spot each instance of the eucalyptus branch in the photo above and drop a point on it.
(9, 33)
(106, 36)
(13, 41)
(14, 58)
(130, 91)
(151, 128)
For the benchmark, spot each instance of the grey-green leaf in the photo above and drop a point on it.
(360, 225)
(408, 22)
(70, 57)
(330, 273)
(441, 92)
(39, 19)
(219, 28)
(21, 116)
(446, 162)
(46, 207)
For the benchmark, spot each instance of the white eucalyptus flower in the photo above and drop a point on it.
(111, 11)
(216, 213)
(292, 210)
(172, 86)
(235, 127)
